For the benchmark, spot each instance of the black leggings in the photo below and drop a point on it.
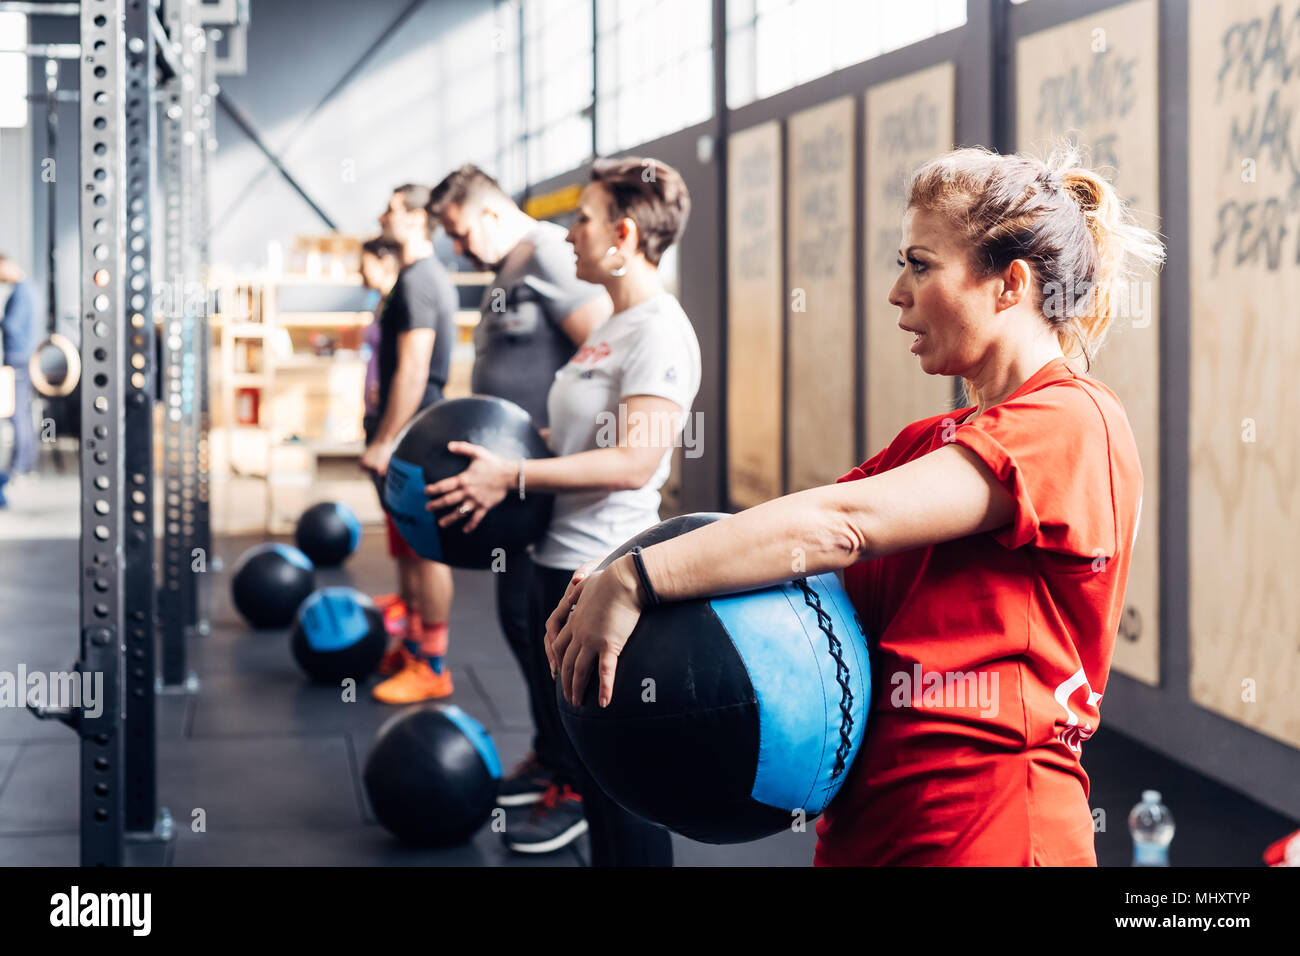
(618, 838)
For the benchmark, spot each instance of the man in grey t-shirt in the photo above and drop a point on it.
(533, 316)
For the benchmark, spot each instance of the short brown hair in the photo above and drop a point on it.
(650, 193)
(461, 187)
(382, 248)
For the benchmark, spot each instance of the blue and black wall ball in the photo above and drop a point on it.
(732, 717)
(339, 633)
(328, 533)
(269, 583)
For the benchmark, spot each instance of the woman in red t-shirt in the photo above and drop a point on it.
(986, 549)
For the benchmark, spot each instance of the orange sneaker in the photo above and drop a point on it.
(415, 683)
(394, 661)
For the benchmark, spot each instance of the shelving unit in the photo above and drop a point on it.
(279, 407)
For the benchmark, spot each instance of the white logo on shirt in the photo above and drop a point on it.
(1073, 735)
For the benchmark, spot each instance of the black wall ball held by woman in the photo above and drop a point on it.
(732, 716)
(421, 458)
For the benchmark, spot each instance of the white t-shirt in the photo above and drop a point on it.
(649, 349)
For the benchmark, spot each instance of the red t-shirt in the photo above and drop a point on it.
(991, 652)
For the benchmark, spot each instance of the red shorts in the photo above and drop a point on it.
(397, 546)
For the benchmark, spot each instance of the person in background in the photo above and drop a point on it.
(18, 331)
(641, 369)
(416, 333)
(534, 314)
(381, 261)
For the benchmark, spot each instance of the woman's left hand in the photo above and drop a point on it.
(475, 491)
(589, 628)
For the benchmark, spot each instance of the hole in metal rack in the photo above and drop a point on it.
(100, 355)
(101, 532)
(100, 122)
(101, 380)
(101, 482)
(101, 507)
(101, 305)
(101, 458)
(101, 226)
(101, 327)
(101, 404)
(137, 380)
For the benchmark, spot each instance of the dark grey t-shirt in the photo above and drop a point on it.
(423, 298)
(519, 344)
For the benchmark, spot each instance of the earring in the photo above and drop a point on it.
(619, 271)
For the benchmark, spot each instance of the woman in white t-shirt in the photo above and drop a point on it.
(616, 410)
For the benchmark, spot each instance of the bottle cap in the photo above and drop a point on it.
(1150, 796)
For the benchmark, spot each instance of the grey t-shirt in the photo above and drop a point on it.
(519, 344)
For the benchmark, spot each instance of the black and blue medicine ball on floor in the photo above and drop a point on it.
(421, 458)
(432, 776)
(732, 716)
(269, 583)
(339, 633)
(327, 533)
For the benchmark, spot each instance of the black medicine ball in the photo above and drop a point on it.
(269, 583)
(421, 458)
(432, 776)
(339, 633)
(732, 717)
(327, 533)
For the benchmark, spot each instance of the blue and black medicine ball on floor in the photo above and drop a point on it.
(432, 776)
(421, 458)
(339, 633)
(731, 716)
(269, 583)
(327, 533)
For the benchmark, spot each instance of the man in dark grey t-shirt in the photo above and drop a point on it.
(533, 316)
(417, 330)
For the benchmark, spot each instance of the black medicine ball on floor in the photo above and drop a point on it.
(270, 582)
(339, 633)
(327, 533)
(733, 716)
(421, 458)
(432, 776)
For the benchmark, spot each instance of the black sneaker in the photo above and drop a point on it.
(525, 785)
(555, 822)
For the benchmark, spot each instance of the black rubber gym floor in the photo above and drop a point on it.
(271, 765)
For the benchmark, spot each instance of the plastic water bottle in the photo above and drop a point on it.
(1152, 827)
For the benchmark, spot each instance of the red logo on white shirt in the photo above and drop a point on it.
(590, 354)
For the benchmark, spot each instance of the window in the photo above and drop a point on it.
(13, 69)
(654, 69)
(557, 58)
(466, 132)
(773, 45)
